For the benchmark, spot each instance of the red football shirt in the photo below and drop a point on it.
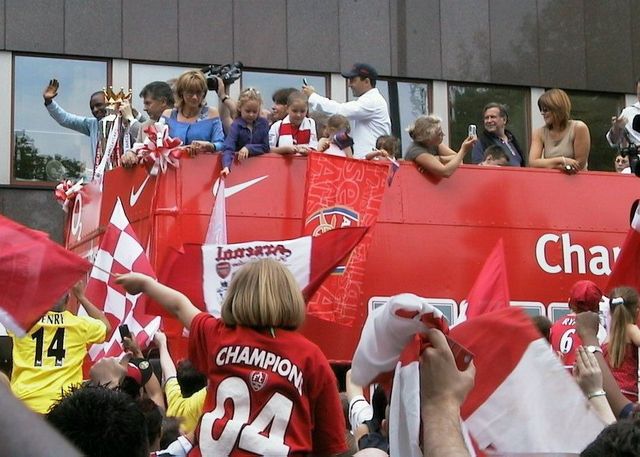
(266, 395)
(565, 340)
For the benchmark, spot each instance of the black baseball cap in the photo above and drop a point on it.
(363, 70)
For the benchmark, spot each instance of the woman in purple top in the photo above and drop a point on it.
(196, 124)
(249, 134)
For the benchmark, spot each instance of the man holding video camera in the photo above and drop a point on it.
(624, 131)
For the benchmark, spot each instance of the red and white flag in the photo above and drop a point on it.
(217, 231)
(120, 252)
(204, 272)
(626, 270)
(35, 272)
(490, 291)
(342, 192)
(523, 397)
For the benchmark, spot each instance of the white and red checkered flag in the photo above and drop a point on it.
(120, 252)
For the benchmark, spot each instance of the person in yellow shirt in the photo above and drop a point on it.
(188, 409)
(48, 359)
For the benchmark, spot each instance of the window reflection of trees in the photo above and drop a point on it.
(31, 165)
(38, 140)
(596, 111)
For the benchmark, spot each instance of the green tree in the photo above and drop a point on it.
(31, 165)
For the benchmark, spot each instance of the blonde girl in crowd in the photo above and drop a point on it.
(249, 132)
(271, 391)
(621, 348)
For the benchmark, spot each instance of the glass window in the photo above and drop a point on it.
(268, 83)
(143, 74)
(413, 101)
(45, 151)
(596, 111)
(465, 107)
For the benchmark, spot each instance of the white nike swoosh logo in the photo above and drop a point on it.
(133, 198)
(229, 191)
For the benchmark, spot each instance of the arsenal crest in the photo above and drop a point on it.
(223, 269)
(257, 380)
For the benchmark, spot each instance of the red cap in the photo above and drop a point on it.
(585, 296)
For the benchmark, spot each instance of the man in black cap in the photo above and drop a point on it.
(368, 114)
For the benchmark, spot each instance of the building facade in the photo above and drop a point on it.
(444, 56)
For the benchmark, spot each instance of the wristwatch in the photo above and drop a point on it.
(593, 349)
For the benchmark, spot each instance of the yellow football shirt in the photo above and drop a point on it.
(48, 359)
(189, 409)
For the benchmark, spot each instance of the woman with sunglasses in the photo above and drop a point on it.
(195, 123)
(562, 143)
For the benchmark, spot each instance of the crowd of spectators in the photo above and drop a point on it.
(253, 383)
(301, 121)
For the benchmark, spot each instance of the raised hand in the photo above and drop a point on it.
(51, 91)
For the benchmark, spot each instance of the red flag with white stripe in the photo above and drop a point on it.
(217, 231)
(34, 273)
(523, 398)
(626, 270)
(342, 192)
(120, 252)
(204, 272)
(490, 291)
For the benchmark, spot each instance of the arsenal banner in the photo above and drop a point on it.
(210, 268)
(342, 192)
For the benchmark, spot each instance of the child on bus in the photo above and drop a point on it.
(337, 140)
(387, 147)
(621, 348)
(249, 133)
(271, 391)
(296, 133)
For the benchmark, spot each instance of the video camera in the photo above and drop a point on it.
(632, 152)
(229, 73)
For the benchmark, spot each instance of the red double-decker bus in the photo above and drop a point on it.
(431, 238)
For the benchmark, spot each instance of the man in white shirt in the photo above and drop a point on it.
(622, 132)
(369, 114)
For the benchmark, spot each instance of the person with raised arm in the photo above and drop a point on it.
(368, 114)
(256, 360)
(48, 359)
(443, 389)
(189, 409)
(429, 152)
(588, 375)
(587, 328)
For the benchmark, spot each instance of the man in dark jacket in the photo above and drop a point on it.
(495, 120)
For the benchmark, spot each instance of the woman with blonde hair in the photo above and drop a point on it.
(621, 348)
(271, 391)
(191, 120)
(562, 143)
(428, 151)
